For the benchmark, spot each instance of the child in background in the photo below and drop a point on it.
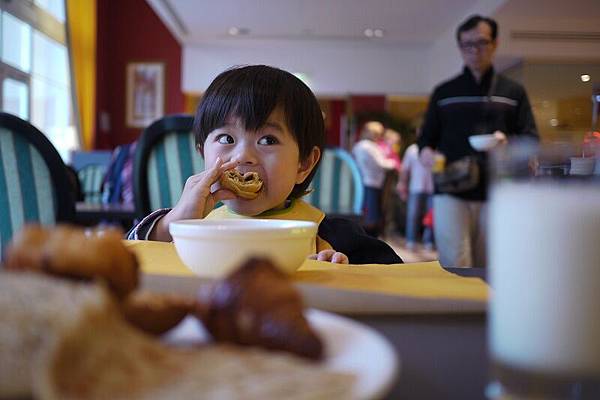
(264, 120)
(390, 145)
(415, 186)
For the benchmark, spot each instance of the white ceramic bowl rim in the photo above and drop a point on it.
(483, 141)
(246, 228)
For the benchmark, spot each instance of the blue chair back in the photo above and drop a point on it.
(34, 185)
(165, 157)
(337, 187)
(91, 177)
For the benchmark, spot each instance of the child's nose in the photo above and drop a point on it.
(245, 155)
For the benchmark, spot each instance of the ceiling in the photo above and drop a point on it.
(404, 22)
(325, 39)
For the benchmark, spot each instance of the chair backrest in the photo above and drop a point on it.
(337, 186)
(91, 177)
(165, 157)
(34, 185)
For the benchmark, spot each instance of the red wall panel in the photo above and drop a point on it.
(130, 31)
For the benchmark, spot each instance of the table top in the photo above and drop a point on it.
(83, 207)
(434, 318)
(442, 352)
(93, 213)
(441, 355)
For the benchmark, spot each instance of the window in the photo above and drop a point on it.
(16, 42)
(15, 98)
(54, 7)
(35, 77)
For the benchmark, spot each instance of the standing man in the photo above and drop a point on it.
(478, 101)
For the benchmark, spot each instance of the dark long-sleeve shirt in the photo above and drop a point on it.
(462, 107)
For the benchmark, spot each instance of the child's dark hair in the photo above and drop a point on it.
(251, 93)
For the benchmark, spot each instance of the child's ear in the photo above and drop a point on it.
(306, 166)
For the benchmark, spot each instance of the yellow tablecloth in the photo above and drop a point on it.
(422, 280)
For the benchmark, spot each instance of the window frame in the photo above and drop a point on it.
(53, 28)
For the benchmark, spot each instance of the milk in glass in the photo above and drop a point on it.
(544, 258)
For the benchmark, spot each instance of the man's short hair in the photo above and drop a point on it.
(473, 21)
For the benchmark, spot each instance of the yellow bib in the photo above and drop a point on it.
(298, 210)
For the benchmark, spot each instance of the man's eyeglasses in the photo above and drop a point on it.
(479, 45)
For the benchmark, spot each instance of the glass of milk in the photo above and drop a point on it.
(544, 270)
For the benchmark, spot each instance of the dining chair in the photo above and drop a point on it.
(34, 184)
(165, 157)
(91, 177)
(337, 186)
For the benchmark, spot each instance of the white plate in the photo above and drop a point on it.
(483, 142)
(350, 347)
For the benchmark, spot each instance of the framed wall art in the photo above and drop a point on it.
(145, 93)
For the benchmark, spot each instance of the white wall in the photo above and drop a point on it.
(549, 49)
(341, 68)
(331, 68)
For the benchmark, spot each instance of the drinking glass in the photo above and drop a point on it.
(544, 270)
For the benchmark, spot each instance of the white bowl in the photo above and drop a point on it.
(483, 142)
(213, 248)
(582, 165)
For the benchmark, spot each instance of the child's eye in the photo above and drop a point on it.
(268, 140)
(225, 139)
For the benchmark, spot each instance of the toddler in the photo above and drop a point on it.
(263, 120)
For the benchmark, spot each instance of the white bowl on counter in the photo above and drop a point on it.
(483, 142)
(214, 248)
(582, 165)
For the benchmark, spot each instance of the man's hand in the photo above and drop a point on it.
(501, 138)
(330, 255)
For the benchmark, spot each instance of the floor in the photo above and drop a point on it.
(418, 254)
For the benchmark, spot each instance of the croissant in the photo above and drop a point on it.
(258, 306)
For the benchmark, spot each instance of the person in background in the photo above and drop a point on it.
(117, 186)
(391, 144)
(415, 186)
(263, 120)
(478, 101)
(373, 166)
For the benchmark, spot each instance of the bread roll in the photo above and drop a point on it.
(245, 186)
(65, 340)
(156, 313)
(67, 251)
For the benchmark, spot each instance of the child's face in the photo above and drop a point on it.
(271, 151)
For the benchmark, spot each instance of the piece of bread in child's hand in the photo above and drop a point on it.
(245, 185)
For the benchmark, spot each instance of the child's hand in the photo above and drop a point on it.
(331, 256)
(196, 199)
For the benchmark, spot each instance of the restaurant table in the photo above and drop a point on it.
(433, 318)
(93, 214)
(441, 346)
(442, 355)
